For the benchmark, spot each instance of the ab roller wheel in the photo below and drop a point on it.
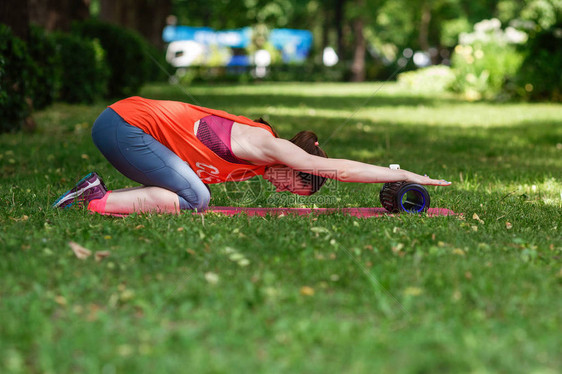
(404, 197)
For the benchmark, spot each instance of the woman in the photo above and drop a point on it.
(174, 149)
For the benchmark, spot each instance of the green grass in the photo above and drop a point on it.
(395, 294)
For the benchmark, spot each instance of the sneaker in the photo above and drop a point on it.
(91, 187)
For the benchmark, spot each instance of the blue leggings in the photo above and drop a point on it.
(140, 157)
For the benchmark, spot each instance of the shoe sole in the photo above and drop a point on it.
(68, 195)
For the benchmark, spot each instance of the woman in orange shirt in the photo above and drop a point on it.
(174, 149)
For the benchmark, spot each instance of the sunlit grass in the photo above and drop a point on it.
(481, 292)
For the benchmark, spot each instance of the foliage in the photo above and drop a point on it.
(308, 72)
(159, 69)
(45, 77)
(436, 78)
(16, 66)
(126, 54)
(478, 293)
(539, 77)
(545, 13)
(260, 41)
(84, 70)
(274, 13)
(485, 59)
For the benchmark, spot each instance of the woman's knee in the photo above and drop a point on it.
(195, 199)
(203, 199)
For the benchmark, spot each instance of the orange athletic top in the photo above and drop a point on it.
(172, 123)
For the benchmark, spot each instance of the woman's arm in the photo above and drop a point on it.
(281, 151)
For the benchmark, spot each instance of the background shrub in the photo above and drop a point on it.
(45, 75)
(485, 59)
(308, 72)
(436, 78)
(159, 70)
(539, 76)
(129, 65)
(15, 68)
(84, 71)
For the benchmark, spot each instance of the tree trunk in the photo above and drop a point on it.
(147, 17)
(423, 37)
(360, 46)
(58, 14)
(325, 27)
(15, 14)
(153, 19)
(338, 22)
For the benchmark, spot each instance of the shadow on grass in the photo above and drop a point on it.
(333, 102)
(525, 148)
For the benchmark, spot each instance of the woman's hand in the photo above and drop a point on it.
(425, 180)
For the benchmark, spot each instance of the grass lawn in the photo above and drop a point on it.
(406, 294)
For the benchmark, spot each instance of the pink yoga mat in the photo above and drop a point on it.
(356, 212)
(262, 212)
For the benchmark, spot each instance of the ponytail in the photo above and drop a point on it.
(308, 141)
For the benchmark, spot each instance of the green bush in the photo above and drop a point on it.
(431, 79)
(485, 59)
(84, 71)
(539, 77)
(129, 65)
(15, 91)
(159, 69)
(45, 76)
(307, 72)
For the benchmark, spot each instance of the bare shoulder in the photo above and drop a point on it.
(249, 142)
(242, 129)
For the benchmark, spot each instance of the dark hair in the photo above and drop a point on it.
(261, 120)
(307, 141)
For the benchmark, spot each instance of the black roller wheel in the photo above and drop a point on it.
(404, 197)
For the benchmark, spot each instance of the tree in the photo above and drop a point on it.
(15, 14)
(148, 17)
(58, 14)
(360, 13)
(359, 45)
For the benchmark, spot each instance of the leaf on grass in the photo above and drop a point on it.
(319, 230)
(508, 225)
(397, 248)
(60, 300)
(458, 251)
(413, 291)
(244, 262)
(476, 218)
(211, 277)
(79, 251)
(22, 218)
(307, 291)
(100, 255)
(235, 256)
